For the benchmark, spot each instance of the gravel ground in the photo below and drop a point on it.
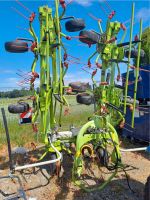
(40, 186)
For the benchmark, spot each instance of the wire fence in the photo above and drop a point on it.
(5, 102)
(19, 134)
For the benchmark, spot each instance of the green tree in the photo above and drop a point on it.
(16, 93)
(146, 46)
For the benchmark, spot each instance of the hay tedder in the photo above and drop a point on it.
(97, 141)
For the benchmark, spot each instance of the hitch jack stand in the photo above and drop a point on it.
(21, 192)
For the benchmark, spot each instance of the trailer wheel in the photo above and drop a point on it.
(102, 156)
(18, 108)
(134, 53)
(51, 169)
(75, 25)
(16, 47)
(147, 189)
(88, 37)
(52, 166)
(84, 98)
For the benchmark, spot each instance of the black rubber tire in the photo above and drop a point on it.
(85, 98)
(103, 156)
(147, 189)
(75, 25)
(79, 87)
(16, 47)
(134, 53)
(52, 167)
(18, 108)
(89, 37)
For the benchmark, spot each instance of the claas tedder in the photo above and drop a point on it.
(97, 142)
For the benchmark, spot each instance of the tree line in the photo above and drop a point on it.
(15, 93)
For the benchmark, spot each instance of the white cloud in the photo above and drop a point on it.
(143, 13)
(86, 2)
(12, 80)
(80, 76)
(9, 83)
(6, 71)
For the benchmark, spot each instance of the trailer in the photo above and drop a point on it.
(141, 131)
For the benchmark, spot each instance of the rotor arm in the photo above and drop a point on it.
(32, 32)
(119, 74)
(123, 37)
(65, 71)
(33, 72)
(94, 82)
(36, 104)
(89, 59)
(63, 5)
(100, 27)
(63, 47)
(65, 36)
(96, 61)
(62, 14)
(34, 64)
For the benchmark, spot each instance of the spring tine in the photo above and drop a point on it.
(22, 5)
(108, 5)
(93, 17)
(71, 1)
(25, 29)
(103, 10)
(74, 57)
(17, 11)
(86, 71)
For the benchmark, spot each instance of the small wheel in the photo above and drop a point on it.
(147, 189)
(102, 156)
(134, 53)
(79, 87)
(76, 86)
(53, 168)
(89, 37)
(16, 47)
(84, 98)
(75, 25)
(18, 108)
(50, 168)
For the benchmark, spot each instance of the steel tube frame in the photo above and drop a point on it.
(136, 74)
(129, 56)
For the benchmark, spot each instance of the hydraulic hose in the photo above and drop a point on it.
(42, 163)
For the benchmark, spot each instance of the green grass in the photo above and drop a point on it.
(22, 135)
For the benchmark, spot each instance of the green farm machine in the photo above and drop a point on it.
(98, 138)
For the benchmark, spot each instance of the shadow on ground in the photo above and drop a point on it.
(39, 184)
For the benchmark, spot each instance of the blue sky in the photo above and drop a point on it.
(10, 20)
